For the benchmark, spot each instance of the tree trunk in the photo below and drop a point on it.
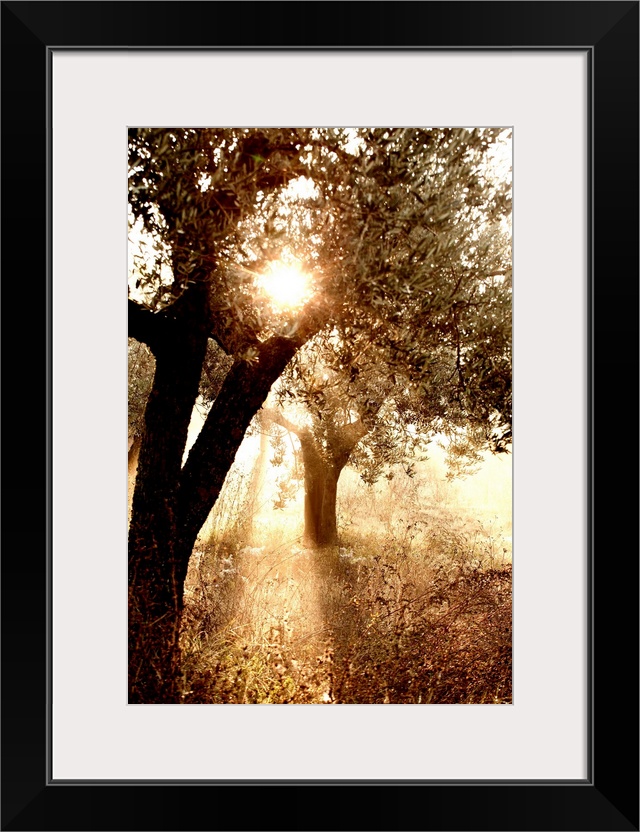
(328, 526)
(155, 588)
(323, 460)
(320, 493)
(242, 394)
(170, 505)
(171, 501)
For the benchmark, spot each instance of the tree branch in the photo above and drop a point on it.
(234, 338)
(311, 320)
(354, 431)
(144, 325)
(280, 419)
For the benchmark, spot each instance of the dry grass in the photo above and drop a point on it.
(417, 610)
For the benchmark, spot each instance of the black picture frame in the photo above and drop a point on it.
(608, 798)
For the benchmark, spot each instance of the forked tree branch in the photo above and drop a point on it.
(144, 325)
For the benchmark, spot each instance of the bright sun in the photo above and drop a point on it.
(287, 284)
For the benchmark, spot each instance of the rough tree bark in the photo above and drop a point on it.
(324, 460)
(244, 391)
(172, 501)
(179, 344)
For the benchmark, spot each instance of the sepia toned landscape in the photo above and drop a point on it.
(320, 416)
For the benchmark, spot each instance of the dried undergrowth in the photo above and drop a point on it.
(416, 611)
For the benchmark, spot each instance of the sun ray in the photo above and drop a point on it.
(287, 284)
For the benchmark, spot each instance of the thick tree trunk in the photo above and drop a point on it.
(320, 493)
(328, 526)
(170, 505)
(171, 501)
(155, 588)
(242, 394)
(323, 462)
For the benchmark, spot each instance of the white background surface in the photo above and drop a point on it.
(96, 735)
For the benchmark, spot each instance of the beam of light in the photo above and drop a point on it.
(287, 284)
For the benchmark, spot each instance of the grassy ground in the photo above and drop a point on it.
(414, 606)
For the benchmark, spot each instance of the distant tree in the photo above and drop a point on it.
(382, 232)
(381, 410)
(374, 388)
(328, 426)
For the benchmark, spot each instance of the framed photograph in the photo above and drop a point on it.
(555, 85)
